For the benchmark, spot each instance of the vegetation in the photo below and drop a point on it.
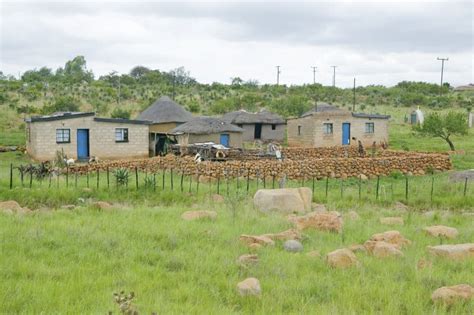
(444, 127)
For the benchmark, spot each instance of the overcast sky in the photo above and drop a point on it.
(377, 42)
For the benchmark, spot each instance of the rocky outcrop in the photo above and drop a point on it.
(454, 252)
(341, 258)
(285, 200)
(453, 294)
(441, 231)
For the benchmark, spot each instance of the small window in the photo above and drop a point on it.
(239, 125)
(369, 127)
(328, 128)
(274, 126)
(121, 134)
(63, 135)
(299, 130)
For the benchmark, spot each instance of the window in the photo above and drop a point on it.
(328, 128)
(63, 135)
(239, 125)
(274, 126)
(299, 130)
(121, 134)
(369, 127)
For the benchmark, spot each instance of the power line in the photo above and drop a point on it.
(314, 74)
(334, 76)
(278, 74)
(442, 70)
(354, 97)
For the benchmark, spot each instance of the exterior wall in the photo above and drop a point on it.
(267, 133)
(235, 138)
(312, 130)
(165, 127)
(42, 142)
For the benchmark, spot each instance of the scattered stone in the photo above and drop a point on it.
(318, 207)
(293, 246)
(255, 239)
(250, 286)
(392, 221)
(352, 215)
(400, 207)
(357, 248)
(102, 205)
(323, 221)
(383, 249)
(217, 198)
(314, 254)
(291, 234)
(247, 260)
(454, 252)
(392, 237)
(441, 231)
(285, 200)
(453, 294)
(10, 206)
(197, 215)
(363, 177)
(423, 264)
(68, 207)
(341, 258)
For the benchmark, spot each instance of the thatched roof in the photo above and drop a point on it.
(244, 117)
(206, 125)
(165, 110)
(321, 107)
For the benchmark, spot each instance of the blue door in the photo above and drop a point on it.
(225, 139)
(82, 144)
(346, 133)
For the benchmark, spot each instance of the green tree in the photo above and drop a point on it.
(120, 113)
(75, 71)
(444, 127)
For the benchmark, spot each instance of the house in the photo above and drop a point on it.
(263, 125)
(164, 115)
(208, 129)
(327, 125)
(82, 135)
(417, 117)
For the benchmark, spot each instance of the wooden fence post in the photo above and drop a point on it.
(313, 185)
(87, 178)
(75, 179)
(67, 176)
(342, 188)
(406, 187)
(98, 179)
(465, 187)
(108, 179)
(11, 176)
(136, 177)
(163, 178)
(377, 188)
(182, 179)
(248, 179)
(327, 186)
(360, 187)
(171, 174)
(218, 184)
(31, 179)
(432, 188)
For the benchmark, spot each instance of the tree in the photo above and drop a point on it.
(444, 127)
(120, 113)
(75, 71)
(62, 104)
(138, 72)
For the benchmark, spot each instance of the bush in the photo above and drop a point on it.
(121, 113)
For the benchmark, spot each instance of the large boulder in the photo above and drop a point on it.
(293, 246)
(323, 221)
(341, 258)
(197, 215)
(450, 295)
(441, 231)
(285, 200)
(250, 286)
(383, 249)
(454, 252)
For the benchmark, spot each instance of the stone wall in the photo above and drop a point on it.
(41, 143)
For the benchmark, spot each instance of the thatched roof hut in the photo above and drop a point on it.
(165, 110)
(242, 117)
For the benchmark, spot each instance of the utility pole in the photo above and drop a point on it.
(278, 74)
(314, 74)
(354, 96)
(119, 91)
(442, 70)
(334, 76)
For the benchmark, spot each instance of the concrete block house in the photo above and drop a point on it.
(264, 125)
(164, 115)
(327, 125)
(83, 135)
(208, 129)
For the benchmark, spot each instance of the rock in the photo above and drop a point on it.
(68, 207)
(323, 221)
(455, 252)
(293, 246)
(341, 258)
(247, 260)
(250, 286)
(383, 249)
(254, 239)
(291, 234)
(255, 246)
(101, 205)
(357, 248)
(217, 198)
(363, 177)
(285, 200)
(392, 221)
(400, 207)
(352, 215)
(10, 206)
(197, 215)
(87, 190)
(441, 231)
(392, 237)
(314, 254)
(318, 207)
(453, 294)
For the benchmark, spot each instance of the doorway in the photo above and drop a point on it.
(346, 133)
(258, 131)
(83, 144)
